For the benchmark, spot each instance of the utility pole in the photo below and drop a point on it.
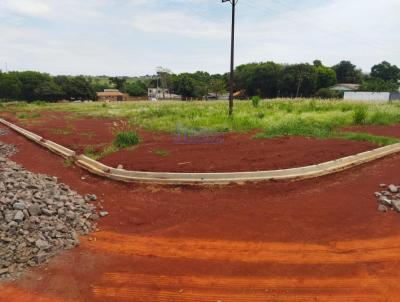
(231, 76)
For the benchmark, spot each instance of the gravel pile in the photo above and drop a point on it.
(389, 198)
(39, 217)
(3, 132)
(7, 150)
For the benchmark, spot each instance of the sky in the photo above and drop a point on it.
(133, 37)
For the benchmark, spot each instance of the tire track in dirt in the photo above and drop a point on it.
(359, 251)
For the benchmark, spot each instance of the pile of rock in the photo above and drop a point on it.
(3, 132)
(7, 150)
(39, 217)
(389, 198)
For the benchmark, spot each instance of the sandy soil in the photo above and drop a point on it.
(314, 240)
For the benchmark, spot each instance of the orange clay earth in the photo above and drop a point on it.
(314, 240)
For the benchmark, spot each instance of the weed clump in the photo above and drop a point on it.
(255, 100)
(360, 115)
(126, 139)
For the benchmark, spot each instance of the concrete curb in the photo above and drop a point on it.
(313, 171)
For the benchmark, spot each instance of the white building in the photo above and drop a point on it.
(371, 96)
(160, 93)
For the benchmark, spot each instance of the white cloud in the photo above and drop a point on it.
(132, 37)
(26, 7)
(178, 23)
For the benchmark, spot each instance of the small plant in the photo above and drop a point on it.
(104, 105)
(27, 115)
(126, 139)
(90, 151)
(121, 126)
(161, 152)
(261, 115)
(360, 115)
(124, 133)
(68, 162)
(255, 100)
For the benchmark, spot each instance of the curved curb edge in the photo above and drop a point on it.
(312, 171)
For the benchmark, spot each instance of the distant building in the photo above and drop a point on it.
(371, 96)
(345, 87)
(160, 93)
(112, 95)
(214, 96)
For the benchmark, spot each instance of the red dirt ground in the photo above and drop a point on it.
(237, 152)
(383, 130)
(315, 240)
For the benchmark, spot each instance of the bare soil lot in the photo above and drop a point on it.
(314, 240)
(383, 130)
(159, 151)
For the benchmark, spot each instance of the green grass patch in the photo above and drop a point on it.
(126, 139)
(298, 127)
(68, 162)
(365, 137)
(307, 117)
(97, 152)
(28, 115)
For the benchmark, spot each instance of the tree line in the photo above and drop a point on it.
(265, 79)
(272, 80)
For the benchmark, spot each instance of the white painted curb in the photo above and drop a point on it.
(312, 171)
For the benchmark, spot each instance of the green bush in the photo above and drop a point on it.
(261, 115)
(360, 115)
(126, 139)
(326, 93)
(255, 100)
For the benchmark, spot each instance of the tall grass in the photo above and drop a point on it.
(126, 139)
(271, 116)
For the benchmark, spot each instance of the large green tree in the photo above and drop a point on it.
(75, 87)
(379, 85)
(10, 86)
(137, 88)
(326, 77)
(346, 72)
(118, 82)
(386, 72)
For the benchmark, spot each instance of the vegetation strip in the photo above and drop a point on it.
(209, 178)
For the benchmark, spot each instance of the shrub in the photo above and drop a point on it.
(360, 115)
(126, 139)
(326, 93)
(255, 100)
(261, 115)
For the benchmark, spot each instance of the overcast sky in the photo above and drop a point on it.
(133, 37)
